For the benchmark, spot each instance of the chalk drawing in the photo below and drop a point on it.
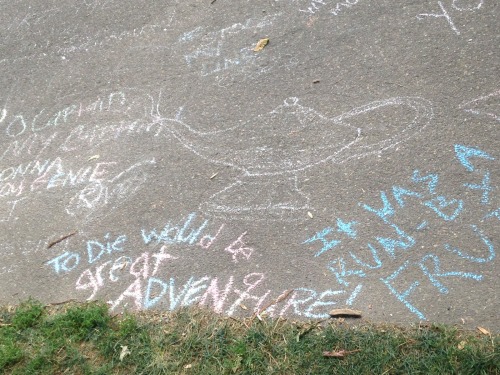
(475, 259)
(107, 254)
(467, 5)
(460, 5)
(178, 234)
(402, 296)
(67, 21)
(488, 105)
(432, 276)
(239, 249)
(437, 273)
(10, 206)
(335, 7)
(65, 262)
(135, 108)
(188, 233)
(18, 124)
(80, 43)
(270, 150)
(99, 186)
(33, 146)
(148, 287)
(212, 53)
(354, 262)
(144, 266)
(109, 193)
(464, 154)
(495, 213)
(226, 297)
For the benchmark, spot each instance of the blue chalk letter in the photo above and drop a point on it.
(463, 154)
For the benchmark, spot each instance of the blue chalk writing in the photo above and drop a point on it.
(431, 180)
(400, 192)
(439, 203)
(148, 302)
(175, 300)
(108, 247)
(347, 228)
(360, 262)
(171, 234)
(383, 213)
(65, 262)
(485, 187)
(339, 264)
(53, 181)
(354, 294)
(487, 242)
(437, 273)
(404, 241)
(422, 225)
(495, 213)
(192, 237)
(378, 263)
(464, 153)
(320, 236)
(402, 296)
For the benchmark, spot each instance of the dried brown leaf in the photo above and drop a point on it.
(345, 312)
(484, 331)
(261, 44)
(339, 353)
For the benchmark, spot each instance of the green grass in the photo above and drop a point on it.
(85, 339)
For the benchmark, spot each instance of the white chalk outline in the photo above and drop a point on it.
(482, 111)
(337, 153)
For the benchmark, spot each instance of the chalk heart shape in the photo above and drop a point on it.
(272, 148)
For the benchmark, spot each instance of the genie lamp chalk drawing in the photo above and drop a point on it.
(271, 149)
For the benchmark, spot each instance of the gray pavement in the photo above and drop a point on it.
(152, 157)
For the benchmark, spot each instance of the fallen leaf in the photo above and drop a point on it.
(484, 331)
(93, 157)
(125, 352)
(310, 215)
(339, 353)
(345, 312)
(261, 44)
(461, 345)
(243, 306)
